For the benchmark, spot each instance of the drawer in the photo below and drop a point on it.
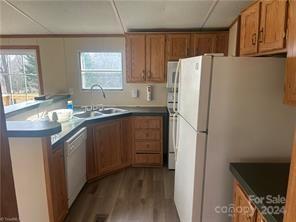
(147, 134)
(148, 123)
(148, 146)
(148, 159)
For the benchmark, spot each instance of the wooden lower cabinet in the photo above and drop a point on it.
(107, 143)
(148, 141)
(91, 160)
(291, 193)
(148, 159)
(244, 210)
(126, 141)
(241, 201)
(116, 144)
(260, 218)
(58, 184)
(108, 147)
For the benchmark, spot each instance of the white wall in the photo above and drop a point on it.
(75, 45)
(61, 71)
(232, 44)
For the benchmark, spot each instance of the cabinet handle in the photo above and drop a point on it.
(143, 74)
(261, 35)
(254, 36)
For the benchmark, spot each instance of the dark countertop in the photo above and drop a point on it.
(32, 128)
(264, 180)
(61, 132)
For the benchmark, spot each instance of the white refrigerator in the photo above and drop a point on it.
(229, 109)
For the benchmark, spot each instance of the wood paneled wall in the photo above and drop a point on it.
(8, 204)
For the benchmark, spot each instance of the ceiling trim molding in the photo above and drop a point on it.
(119, 19)
(213, 6)
(59, 35)
(26, 15)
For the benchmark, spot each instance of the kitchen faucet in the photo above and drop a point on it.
(93, 107)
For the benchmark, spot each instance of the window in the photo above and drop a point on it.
(19, 75)
(104, 68)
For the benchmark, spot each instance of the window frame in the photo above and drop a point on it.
(38, 60)
(98, 51)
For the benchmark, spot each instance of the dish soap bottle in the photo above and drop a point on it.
(70, 104)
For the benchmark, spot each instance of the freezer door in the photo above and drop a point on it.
(188, 187)
(194, 91)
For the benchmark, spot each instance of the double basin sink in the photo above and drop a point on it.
(104, 112)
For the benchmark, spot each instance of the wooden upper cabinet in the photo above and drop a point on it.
(135, 58)
(222, 43)
(107, 138)
(59, 185)
(272, 32)
(249, 29)
(203, 43)
(155, 58)
(177, 46)
(290, 81)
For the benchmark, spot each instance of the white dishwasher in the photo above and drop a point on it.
(75, 161)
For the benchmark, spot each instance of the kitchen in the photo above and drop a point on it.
(168, 116)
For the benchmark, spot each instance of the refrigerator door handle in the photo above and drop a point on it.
(174, 136)
(175, 86)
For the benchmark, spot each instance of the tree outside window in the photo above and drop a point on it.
(19, 75)
(104, 68)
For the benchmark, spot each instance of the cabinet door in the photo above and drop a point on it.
(178, 46)
(135, 58)
(291, 194)
(260, 218)
(127, 141)
(290, 81)
(59, 186)
(222, 43)
(203, 43)
(108, 145)
(249, 30)
(91, 161)
(155, 58)
(248, 214)
(272, 32)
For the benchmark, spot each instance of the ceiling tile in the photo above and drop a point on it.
(70, 17)
(12, 22)
(147, 14)
(225, 13)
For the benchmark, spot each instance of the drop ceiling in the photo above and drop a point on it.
(114, 16)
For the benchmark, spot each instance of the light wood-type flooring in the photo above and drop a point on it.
(132, 195)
